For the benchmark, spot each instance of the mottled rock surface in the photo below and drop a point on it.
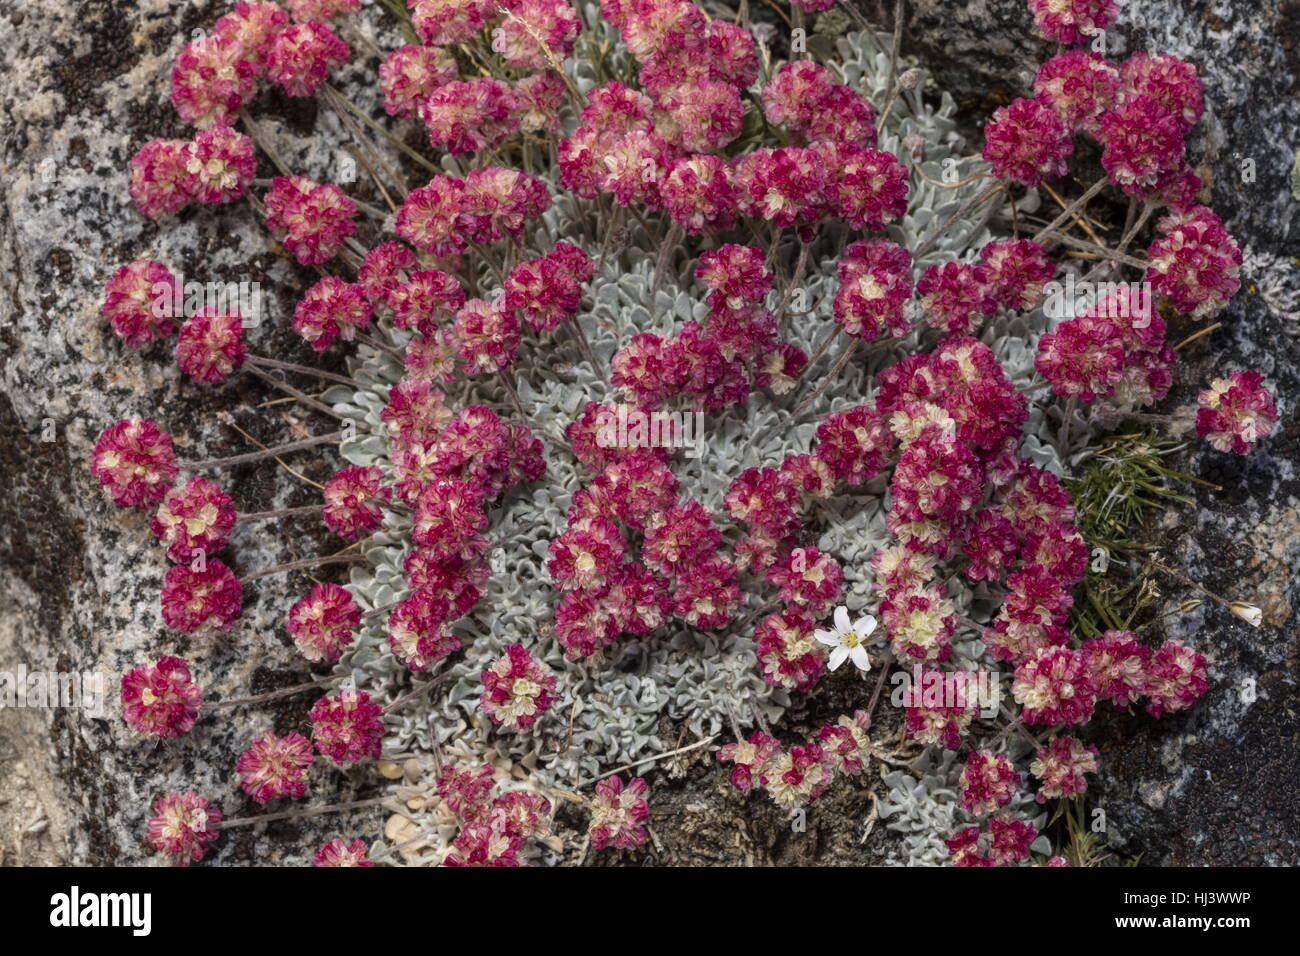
(84, 84)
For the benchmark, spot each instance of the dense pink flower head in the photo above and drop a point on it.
(160, 179)
(676, 538)
(701, 116)
(447, 22)
(875, 287)
(448, 517)
(1235, 412)
(540, 96)
(161, 698)
(254, 27)
(988, 782)
(1084, 356)
(431, 357)
(1142, 145)
(749, 758)
(1026, 142)
(322, 622)
(219, 165)
(487, 336)
(807, 579)
(418, 631)
(382, 270)
(805, 96)
(1061, 766)
(139, 301)
(783, 186)
(1117, 664)
(464, 116)
(1080, 85)
(330, 309)
(499, 201)
(429, 294)
(193, 517)
(133, 459)
(1017, 270)
(410, 74)
(517, 689)
(352, 501)
(416, 412)
(192, 599)
(211, 78)
(275, 767)
(1176, 678)
(544, 291)
(313, 220)
(697, 194)
(618, 813)
(650, 26)
(956, 296)
(1072, 21)
(865, 187)
(707, 596)
(788, 656)
(1055, 688)
(1171, 82)
(536, 34)
(347, 727)
(184, 825)
(429, 217)
(854, 443)
(211, 346)
(302, 55)
(1196, 264)
(338, 852)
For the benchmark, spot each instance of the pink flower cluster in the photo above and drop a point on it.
(134, 460)
(1195, 265)
(312, 220)
(161, 698)
(347, 727)
(988, 782)
(1116, 349)
(618, 814)
(193, 518)
(494, 827)
(275, 767)
(1235, 412)
(184, 825)
(1004, 842)
(443, 217)
(796, 777)
(517, 689)
(1061, 765)
(720, 362)
(340, 853)
(322, 623)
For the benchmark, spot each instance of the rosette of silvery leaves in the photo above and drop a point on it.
(610, 708)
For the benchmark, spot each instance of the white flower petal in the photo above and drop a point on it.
(860, 659)
(842, 618)
(829, 638)
(838, 657)
(864, 626)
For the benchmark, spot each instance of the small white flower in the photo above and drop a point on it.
(848, 639)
